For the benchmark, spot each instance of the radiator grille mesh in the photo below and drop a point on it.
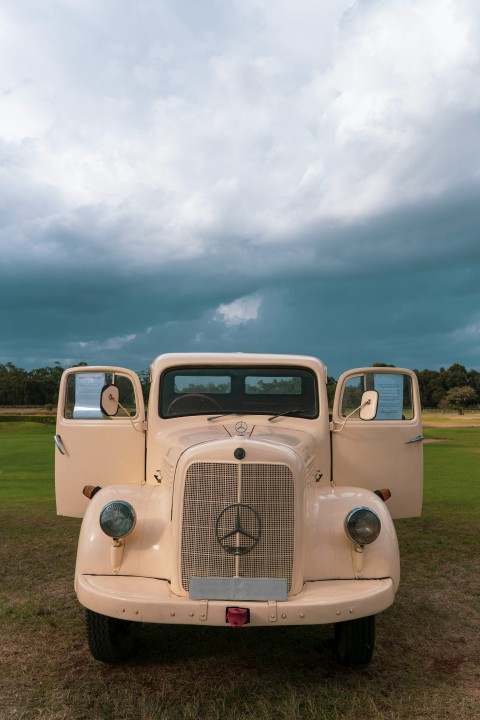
(209, 488)
(269, 489)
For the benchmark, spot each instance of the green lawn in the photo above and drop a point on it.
(426, 666)
(26, 463)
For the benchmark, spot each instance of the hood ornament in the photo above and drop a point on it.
(241, 427)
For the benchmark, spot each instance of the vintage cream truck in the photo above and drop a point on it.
(237, 499)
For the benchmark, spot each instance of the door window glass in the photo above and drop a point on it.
(395, 398)
(84, 389)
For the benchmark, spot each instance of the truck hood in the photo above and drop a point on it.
(169, 447)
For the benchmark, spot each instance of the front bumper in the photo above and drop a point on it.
(151, 600)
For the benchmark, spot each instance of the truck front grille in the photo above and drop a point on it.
(209, 489)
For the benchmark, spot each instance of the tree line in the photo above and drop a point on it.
(453, 387)
(39, 387)
(448, 388)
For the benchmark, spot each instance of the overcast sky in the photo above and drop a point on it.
(247, 175)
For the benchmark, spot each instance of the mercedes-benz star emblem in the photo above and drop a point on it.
(238, 529)
(241, 427)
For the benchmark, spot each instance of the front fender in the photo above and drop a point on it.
(329, 553)
(94, 552)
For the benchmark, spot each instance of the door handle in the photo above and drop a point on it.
(59, 444)
(419, 438)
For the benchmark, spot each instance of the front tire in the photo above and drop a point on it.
(110, 640)
(355, 640)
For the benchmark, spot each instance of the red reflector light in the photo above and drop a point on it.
(236, 617)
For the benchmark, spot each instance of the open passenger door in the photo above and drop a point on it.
(100, 433)
(382, 449)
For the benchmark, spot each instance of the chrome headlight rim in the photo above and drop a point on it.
(362, 515)
(117, 519)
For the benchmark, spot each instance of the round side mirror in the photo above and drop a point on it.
(109, 400)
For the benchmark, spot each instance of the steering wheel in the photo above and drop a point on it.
(200, 396)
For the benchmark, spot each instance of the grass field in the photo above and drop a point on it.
(426, 666)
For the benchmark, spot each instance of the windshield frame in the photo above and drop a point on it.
(300, 404)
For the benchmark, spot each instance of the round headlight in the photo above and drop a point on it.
(362, 526)
(117, 519)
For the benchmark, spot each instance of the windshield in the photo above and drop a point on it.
(238, 390)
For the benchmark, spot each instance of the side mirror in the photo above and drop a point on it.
(369, 405)
(109, 400)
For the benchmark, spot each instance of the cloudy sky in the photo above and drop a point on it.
(254, 175)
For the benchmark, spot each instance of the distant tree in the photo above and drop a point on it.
(459, 397)
(42, 385)
(331, 386)
(456, 376)
(13, 385)
(474, 380)
(432, 391)
(144, 376)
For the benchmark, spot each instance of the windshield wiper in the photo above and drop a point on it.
(236, 412)
(287, 412)
(227, 412)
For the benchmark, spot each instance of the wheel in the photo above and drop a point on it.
(355, 640)
(110, 640)
(188, 396)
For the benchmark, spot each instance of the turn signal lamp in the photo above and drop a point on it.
(384, 493)
(117, 519)
(362, 526)
(90, 490)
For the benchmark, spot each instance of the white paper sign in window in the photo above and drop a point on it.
(88, 388)
(390, 396)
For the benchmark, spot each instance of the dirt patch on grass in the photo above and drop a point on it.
(26, 411)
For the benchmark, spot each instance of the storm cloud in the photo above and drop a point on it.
(247, 176)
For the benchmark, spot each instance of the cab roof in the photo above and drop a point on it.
(169, 360)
